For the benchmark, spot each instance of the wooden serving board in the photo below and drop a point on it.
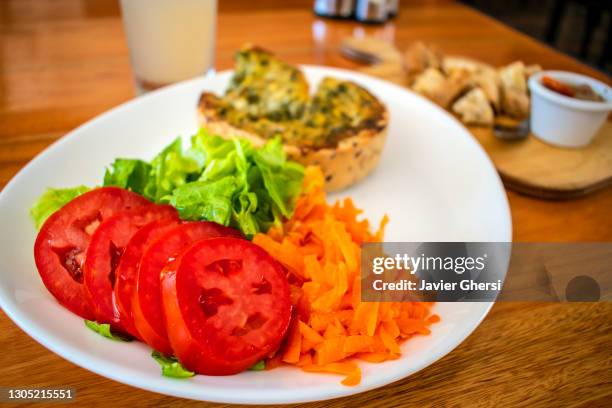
(528, 166)
(535, 168)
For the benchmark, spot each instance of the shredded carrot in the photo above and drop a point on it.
(374, 357)
(331, 328)
(353, 378)
(305, 360)
(310, 334)
(274, 362)
(293, 346)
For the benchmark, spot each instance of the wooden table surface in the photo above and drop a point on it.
(62, 62)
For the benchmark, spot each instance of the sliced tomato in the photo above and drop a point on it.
(227, 305)
(59, 251)
(104, 254)
(127, 270)
(147, 306)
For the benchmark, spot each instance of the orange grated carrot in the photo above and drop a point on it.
(433, 318)
(354, 378)
(373, 357)
(330, 351)
(307, 346)
(348, 368)
(309, 333)
(388, 340)
(320, 249)
(358, 343)
(392, 328)
(305, 360)
(293, 347)
(273, 362)
(336, 368)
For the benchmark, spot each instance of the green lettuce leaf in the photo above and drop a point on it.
(244, 208)
(104, 330)
(171, 367)
(226, 181)
(282, 178)
(52, 200)
(259, 366)
(246, 188)
(205, 200)
(169, 169)
(132, 174)
(206, 147)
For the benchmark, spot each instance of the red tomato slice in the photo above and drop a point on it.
(127, 270)
(147, 306)
(227, 305)
(59, 251)
(104, 253)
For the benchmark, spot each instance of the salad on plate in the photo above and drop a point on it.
(222, 257)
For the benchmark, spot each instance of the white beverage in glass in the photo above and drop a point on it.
(169, 40)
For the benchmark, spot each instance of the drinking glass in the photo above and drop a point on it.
(169, 40)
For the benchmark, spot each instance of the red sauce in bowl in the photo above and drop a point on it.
(583, 92)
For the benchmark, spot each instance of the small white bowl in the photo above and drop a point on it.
(564, 121)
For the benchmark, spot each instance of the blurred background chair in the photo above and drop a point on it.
(581, 28)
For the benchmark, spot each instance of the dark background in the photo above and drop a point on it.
(578, 28)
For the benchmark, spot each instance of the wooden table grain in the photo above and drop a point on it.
(62, 62)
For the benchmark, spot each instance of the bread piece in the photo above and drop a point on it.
(429, 82)
(440, 89)
(473, 108)
(513, 76)
(454, 63)
(481, 75)
(419, 57)
(532, 69)
(514, 95)
(489, 82)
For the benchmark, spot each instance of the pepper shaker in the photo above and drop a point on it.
(372, 11)
(334, 8)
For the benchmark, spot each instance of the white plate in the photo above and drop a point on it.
(434, 182)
